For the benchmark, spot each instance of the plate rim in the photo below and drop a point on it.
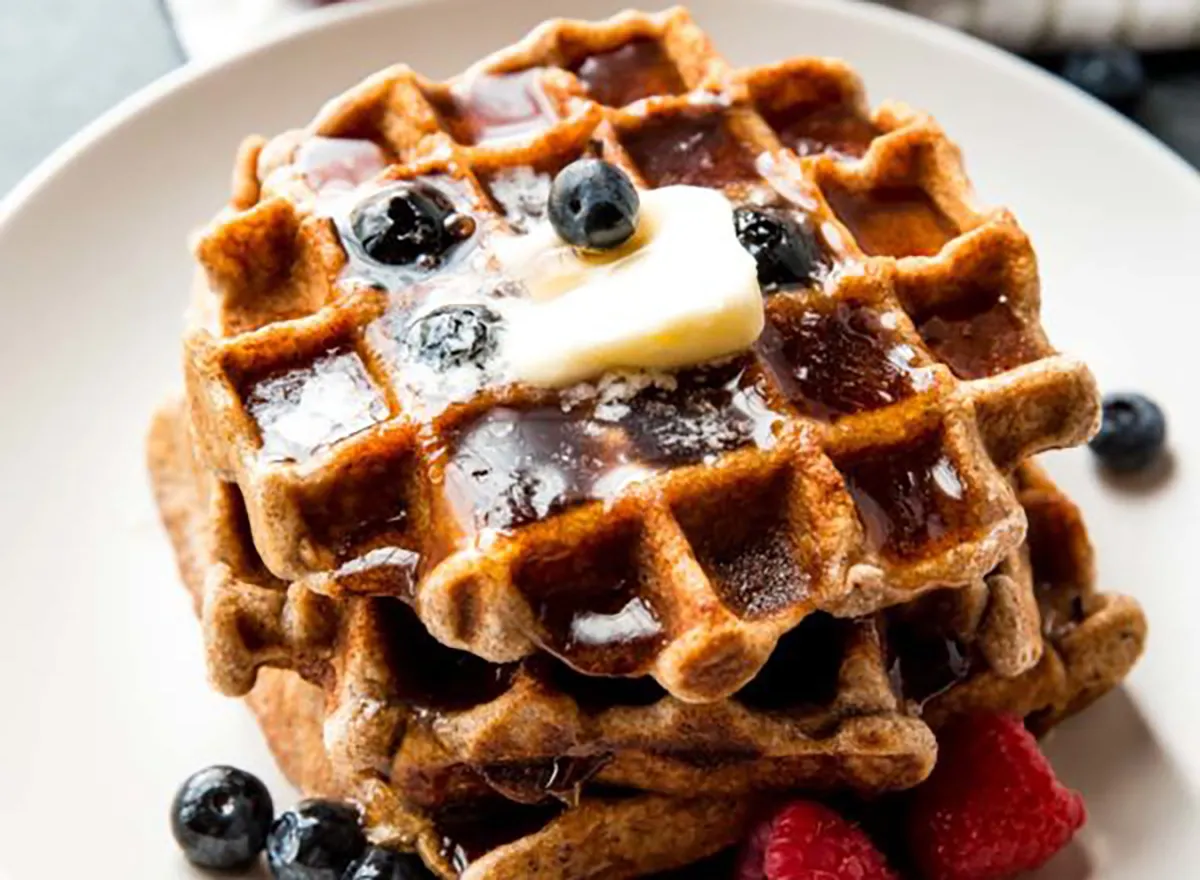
(150, 96)
(157, 96)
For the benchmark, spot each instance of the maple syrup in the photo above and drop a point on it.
(534, 782)
(839, 358)
(925, 657)
(337, 163)
(432, 677)
(910, 498)
(709, 411)
(639, 69)
(695, 148)
(489, 107)
(838, 128)
(980, 335)
(513, 467)
(590, 608)
(388, 571)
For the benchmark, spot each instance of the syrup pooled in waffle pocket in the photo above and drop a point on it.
(490, 541)
(487, 766)
(865, 436)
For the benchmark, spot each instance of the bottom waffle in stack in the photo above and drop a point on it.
(540, 772)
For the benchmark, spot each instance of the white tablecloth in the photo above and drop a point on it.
(207, 27)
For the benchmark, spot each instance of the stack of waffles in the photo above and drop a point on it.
(587, 632)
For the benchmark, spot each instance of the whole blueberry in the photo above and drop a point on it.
(454, 336)
(220, 817)
(1114, 74)
(785, 249)
(378, 863)
(593, 205)
(315, 841)
(410, 224)
(1132, 434)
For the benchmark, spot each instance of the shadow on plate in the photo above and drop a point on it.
(1139, 803)
(1143, 482)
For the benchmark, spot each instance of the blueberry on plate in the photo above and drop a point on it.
(1114, 75)
(220, 817)
(1132, 434)
(410, 224)
(454, 336)
(317, 840)
(378, 863)
(593, 205)
(786, 250)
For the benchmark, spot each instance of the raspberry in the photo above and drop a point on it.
(750, 862)
(809, 841)
(992, 807)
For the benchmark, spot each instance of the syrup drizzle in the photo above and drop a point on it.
(594, 616)
(811, 130)
(514, 467)
(910, 499)
(340, 164)
(695, 148)
(639, 69)
(489, 107)
(839, 358)
(980, 335)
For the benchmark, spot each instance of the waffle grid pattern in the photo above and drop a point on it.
(907, 398)
(1086, 644)
(414, 617)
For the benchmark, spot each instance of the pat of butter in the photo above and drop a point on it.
(682, 291)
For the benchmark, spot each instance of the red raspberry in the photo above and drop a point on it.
(992, 807)
(809, 841)
(750, 864)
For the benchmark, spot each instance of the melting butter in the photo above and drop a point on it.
(682, 291)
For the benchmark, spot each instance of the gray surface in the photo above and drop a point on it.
(64, 62)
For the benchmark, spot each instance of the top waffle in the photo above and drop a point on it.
(677, 525)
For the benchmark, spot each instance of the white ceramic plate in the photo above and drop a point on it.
(105, 706)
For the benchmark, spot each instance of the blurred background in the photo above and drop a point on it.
(64, 62)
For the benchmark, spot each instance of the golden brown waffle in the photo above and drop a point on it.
(603, 837)
(609, 835)
(1091, 643)
(1091, 639)
(864, 442)
(442, 725)
(534, 727)
(1034, 640)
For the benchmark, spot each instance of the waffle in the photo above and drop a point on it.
(603, 836)
(1032, 637)
(1091, 640)
(611, 834)
(1090, 643)
(512, 727)
(866, 441)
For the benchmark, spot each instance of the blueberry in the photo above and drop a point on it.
(454, 336)
(413, 223)
(786, 251)
(316, 841)
(1132, 434)
(378, 863)
(593, 205)
(1114, 74)
(220, 817)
